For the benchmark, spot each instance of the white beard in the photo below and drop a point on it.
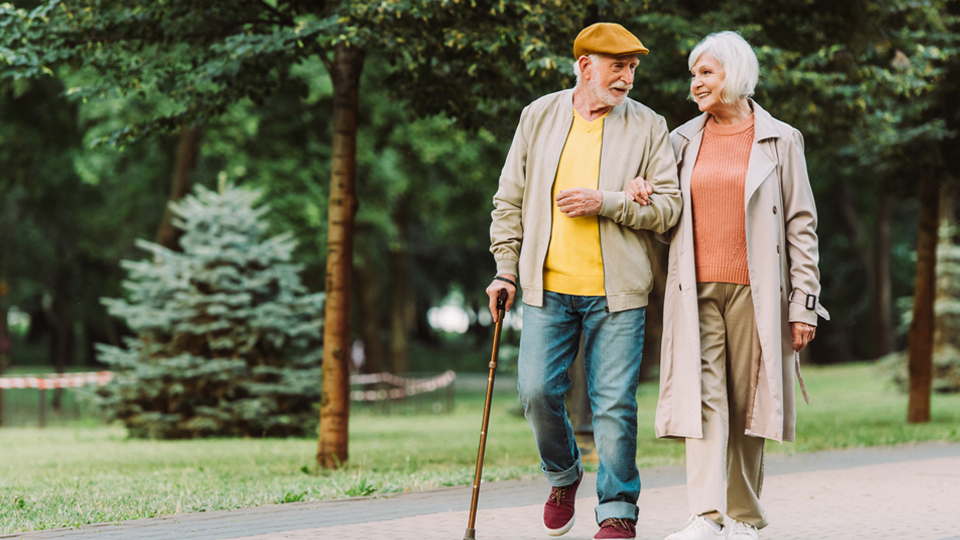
(606, 96)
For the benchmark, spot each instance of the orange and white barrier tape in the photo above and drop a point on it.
(57, 380)
(405, 387)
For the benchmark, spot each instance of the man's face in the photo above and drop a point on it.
(611, 78)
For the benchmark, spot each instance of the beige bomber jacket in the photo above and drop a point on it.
(635, 143)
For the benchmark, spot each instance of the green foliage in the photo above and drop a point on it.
(227, 338)
(204, 56)
(422, 183)
(59, 249)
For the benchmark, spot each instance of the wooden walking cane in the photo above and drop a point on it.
(471, 532)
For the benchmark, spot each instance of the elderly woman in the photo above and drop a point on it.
(742, 290)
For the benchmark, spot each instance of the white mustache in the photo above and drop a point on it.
(621, 86)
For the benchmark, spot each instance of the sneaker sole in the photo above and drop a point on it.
(562, 530)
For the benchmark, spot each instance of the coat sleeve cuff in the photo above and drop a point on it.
(508, 266)
(612, 205)
(798, 313)
(806, 308)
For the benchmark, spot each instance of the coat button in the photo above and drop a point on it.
(681, 286)
(774, 209)
(778, 249)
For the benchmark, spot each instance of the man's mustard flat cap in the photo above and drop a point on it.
(610, 39)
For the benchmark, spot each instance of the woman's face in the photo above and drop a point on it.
(708, 76)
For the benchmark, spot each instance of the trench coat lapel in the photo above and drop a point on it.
(763, 158)
(686, 159)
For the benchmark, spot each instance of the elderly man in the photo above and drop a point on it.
(580, 247)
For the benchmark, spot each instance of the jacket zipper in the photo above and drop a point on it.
(603, 134)
(543, 259)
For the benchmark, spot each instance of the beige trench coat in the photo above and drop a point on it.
(782, 256)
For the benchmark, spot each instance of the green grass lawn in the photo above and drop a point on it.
(74, 474)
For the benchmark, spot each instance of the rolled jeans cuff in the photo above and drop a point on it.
(617, 509)
(563, 478)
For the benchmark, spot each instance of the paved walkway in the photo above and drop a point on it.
(895, 493)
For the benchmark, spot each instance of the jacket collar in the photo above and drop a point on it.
(764, 126)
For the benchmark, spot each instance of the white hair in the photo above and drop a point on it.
(738, 61)
(576, 65)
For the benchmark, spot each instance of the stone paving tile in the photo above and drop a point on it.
(914, 500)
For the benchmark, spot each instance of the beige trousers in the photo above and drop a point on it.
(725, 467)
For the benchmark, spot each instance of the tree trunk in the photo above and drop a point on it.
(854, 223)
(399, 300)
(62, 346)
(367, 284)
(4, 337)
(421, 323)
(921, 328)
(188, 150)
(399, 294)
(335, 393)
(883, 283)
(113, 333)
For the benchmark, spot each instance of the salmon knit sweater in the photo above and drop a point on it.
(716, 194)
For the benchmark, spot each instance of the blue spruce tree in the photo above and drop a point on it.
(228, 341)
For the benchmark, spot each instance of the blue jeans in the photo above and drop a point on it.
(613, 348)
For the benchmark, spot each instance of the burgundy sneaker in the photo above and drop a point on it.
(558, 512)
(616, 528)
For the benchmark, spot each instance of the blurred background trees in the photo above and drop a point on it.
(108, 114)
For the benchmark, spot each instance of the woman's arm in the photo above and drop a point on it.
(800, 227)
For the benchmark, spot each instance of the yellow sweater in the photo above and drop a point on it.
(574, 263)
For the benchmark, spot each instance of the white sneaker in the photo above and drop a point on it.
(738, 530)
(698, 528)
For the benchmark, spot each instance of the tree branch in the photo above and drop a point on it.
(278, 13)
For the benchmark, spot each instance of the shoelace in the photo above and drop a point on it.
(698, 523)
(618, 523)
(556, 495)
(740, 527)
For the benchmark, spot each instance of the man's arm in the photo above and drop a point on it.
(663, 211)
(506, 230)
